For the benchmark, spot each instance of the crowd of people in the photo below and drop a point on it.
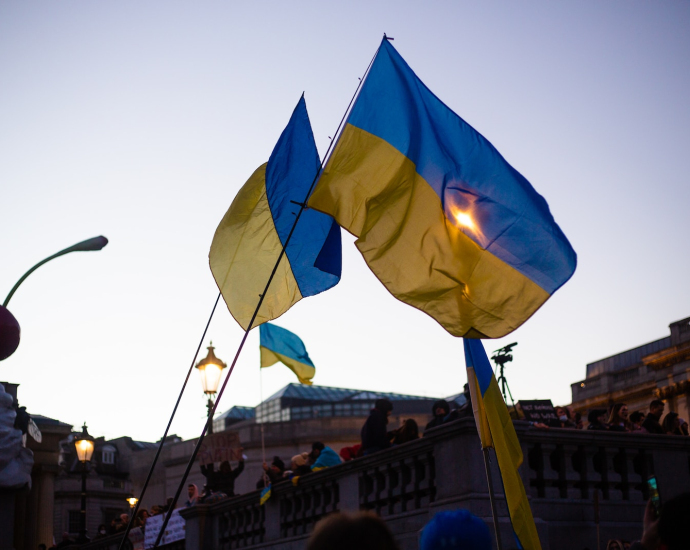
(461, 530)
(376, 436)
(617, 418)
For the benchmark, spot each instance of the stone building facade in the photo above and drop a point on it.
(656, 370)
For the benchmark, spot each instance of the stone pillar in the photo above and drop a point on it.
(45, 491)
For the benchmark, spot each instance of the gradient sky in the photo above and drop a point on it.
(140, 121)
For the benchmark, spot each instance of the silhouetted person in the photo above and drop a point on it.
(273, 473)
(361, 531)
(374, 433)
(440, 409)
(618, 421)
(671, 531)
(671, 424)
(651, 423)
(409, 431)
(225, 481)
(66, 541)
(597, 420)
(323, 457)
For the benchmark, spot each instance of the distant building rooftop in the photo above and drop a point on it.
(299, 401)
(626, 359)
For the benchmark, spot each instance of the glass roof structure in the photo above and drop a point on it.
(329, 394)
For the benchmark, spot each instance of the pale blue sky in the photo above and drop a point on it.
(140, 121)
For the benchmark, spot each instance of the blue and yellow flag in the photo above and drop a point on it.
(445, 223)
(496, 430)
(252, 233)
(265, 495)
(280, 345)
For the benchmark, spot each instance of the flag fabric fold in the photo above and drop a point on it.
(251, 235)
(280, 345)
(442, 219)
(496, 430)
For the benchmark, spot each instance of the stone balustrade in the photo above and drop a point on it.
(408, 484)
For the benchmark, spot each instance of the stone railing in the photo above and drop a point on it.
(406, 485)
(112, 542)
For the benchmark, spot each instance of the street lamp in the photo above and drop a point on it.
(84, 445)
(9, 335)
(96, 243)
(210, 369)
(132, 501)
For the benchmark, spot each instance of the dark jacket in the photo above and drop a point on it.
(651, 424)
(220, 481)
(273, 477)
(374, 433)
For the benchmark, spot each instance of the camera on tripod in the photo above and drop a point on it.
(501, 357)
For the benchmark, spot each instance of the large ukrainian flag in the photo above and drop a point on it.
(444, 222)
(496, 430)
(255, 228)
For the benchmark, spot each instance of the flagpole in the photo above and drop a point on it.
(494, 513)
(484, 432)
(263, 444)
(167, 429)
(302, 207)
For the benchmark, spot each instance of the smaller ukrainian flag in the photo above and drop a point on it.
(265, 495)
(280, 345)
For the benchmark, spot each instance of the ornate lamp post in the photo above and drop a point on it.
(210, 369)
(84, 445)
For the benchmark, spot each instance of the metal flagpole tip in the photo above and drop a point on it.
(9, 333)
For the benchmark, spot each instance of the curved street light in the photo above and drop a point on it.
(95, 243)
(9, 327)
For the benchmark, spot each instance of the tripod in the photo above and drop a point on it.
(503, 384)
(501, 357)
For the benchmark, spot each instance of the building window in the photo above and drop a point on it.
(74, 521)
(113, 484)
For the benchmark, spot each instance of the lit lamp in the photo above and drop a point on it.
(132, 501)
(210, 369)
(84, 446)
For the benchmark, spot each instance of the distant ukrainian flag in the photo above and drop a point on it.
(280, 345)
(265, 495)
(252, 233)
(496, 430)
(445, 223)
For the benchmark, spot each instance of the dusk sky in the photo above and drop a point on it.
(141, 120)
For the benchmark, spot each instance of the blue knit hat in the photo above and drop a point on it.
(455, 530)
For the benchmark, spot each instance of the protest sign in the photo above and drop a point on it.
(175, 530)
(539, 410)
(220, 447)
(136, 537)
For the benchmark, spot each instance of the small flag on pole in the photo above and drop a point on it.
(444, 222)
(265, 495)
(496, 430)
(280, 345)
(254, 230)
